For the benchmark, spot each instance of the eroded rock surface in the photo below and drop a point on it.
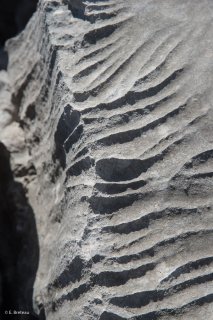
(115, 102)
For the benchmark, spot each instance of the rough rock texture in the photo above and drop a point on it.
(114, 99)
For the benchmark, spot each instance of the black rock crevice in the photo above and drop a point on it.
(14, 15)
(19, 250)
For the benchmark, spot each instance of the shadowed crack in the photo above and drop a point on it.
(14, 15)
(19, 251)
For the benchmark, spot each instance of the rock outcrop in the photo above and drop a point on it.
(114, 101)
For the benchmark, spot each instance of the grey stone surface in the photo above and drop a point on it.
(114, 99)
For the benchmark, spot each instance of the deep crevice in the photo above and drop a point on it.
(19, 250)
(14, 15)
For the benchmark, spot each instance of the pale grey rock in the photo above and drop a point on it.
(115, 101)
(6, 109)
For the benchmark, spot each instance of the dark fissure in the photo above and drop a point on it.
(19, 251)
(14, 15)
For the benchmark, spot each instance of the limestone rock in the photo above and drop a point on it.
(115, 101)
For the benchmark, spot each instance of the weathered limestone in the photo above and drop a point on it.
(114, 100)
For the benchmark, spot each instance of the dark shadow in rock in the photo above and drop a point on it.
(19, 250)
(67, 130)
(14, 15)
(42, 315)
(3, 59)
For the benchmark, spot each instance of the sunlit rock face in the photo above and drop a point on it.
(114, 99)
